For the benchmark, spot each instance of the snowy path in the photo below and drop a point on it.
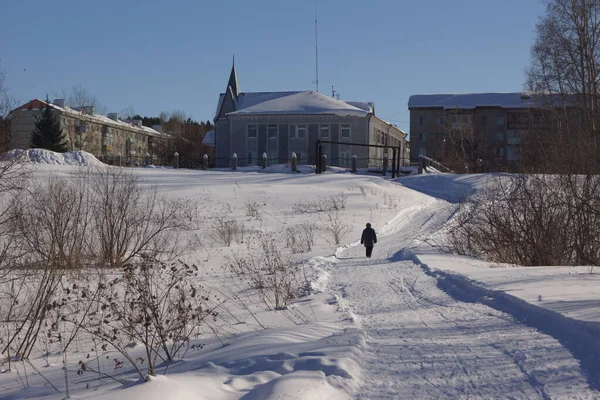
(423, 344)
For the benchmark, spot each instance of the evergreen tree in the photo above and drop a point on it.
(47, 133)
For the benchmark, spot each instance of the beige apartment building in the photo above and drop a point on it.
(106, 137)
(493, 122)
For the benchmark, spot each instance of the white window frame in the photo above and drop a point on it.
(295, 129)
(248, 132)
(347, 127)
(269, 137)
(305, 129)
(321, 126)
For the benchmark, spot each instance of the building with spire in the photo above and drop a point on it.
(278, 124)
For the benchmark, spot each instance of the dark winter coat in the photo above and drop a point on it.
(368, 238)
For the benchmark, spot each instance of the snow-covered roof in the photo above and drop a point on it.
(99, 118)
(470, 100)
(306, 102)
(363, 105)
(209, 138)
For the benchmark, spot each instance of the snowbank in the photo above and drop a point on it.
(43, 156)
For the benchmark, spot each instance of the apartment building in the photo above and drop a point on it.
(493, 124)
(106, 137)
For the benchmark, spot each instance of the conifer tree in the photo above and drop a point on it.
(47, 133)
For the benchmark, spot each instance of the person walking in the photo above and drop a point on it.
(368, 238)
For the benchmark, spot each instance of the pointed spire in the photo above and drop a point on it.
(233, 80)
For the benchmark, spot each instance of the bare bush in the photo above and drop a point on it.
(61, 213)
(532, 220)
(301, 238)
(161, 306)
(336, 229)
(267, 269)
(60, 226)
(322, 204)
(132, 220)
(252, 209)
(225, 229)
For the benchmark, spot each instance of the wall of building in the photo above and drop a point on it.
(429, 127)
(88, 133)
(276, 136)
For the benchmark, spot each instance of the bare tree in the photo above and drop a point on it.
(565, 72)
(460, 147)
(551, 217)
(80, 97)
(7, 103)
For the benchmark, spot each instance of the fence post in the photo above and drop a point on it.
(119, 159)
(176, 160)
(385, 164)
(234, 162)
(324, 163)
(354, 164)
(147, 160)
(205, 161)
(265, 161)
(294, 162)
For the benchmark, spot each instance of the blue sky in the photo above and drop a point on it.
(159, 55)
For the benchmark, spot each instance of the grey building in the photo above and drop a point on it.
(497, 121)
(281, 123)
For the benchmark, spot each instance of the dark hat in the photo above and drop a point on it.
(368, 225)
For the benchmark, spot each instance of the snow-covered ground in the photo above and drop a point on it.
(408, 323)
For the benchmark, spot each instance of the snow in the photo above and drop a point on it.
(290, 103)
(470, 100)
(43, 156)
(209, 138)
(410, 322)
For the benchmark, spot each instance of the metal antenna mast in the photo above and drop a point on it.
(316, 50)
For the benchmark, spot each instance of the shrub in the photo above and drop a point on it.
(265, 268)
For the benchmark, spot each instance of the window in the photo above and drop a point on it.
(500, 120)
(484, 120)
(345, 130)
(272, 130)
(301, 132)
(517, 121)
(324, 129)
(298, 131)
(454, 120)
(422, 152)
(421, 136)
(421, 121)
(252, 131)
(441, 121)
